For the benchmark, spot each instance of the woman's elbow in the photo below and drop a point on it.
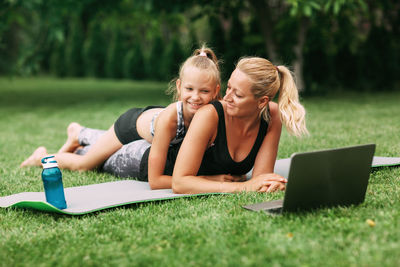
(153, 185)
(177, 187)
(159, 182)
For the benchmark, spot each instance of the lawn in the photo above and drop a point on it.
(202, 231)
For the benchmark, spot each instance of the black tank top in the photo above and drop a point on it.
(217, 159)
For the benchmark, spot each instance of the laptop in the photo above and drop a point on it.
(325, 178)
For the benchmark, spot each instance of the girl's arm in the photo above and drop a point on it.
(165, 131)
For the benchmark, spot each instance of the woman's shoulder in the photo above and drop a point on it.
(273, 109)
(208, 111)
(274, 114)
(217, 106)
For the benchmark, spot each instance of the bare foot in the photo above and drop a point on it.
(34, 159)
(72, 143)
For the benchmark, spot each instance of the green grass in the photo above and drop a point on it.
(204, 231)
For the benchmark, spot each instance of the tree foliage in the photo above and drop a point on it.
(73, 54)
(172, 58)
(134, 66)
(349, 43)
(95, 51)
(115, 54)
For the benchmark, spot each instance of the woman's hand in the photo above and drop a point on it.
(269, 182)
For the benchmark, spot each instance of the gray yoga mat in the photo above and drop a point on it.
(282, 165)
(90, 198)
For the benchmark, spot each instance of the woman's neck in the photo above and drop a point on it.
(244, 125)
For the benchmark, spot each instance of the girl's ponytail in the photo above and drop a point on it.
(207, 52)
(204, 59)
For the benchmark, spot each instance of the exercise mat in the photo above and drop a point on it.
(282, 165)
(89, 198)
(385, 162)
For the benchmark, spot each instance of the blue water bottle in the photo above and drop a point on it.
(52, 182)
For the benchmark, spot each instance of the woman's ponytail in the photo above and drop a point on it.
(268, 80)
(291, 112)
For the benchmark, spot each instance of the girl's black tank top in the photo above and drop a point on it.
(217, 159)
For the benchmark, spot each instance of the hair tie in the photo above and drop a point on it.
(203, 54)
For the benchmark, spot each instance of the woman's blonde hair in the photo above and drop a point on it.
(267, 80)
(203, 58)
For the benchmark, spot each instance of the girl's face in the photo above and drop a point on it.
(239, 98)
(196, 89)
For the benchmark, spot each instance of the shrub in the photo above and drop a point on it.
(73, 53)
(57, 60)
(172, 59)
(95, 51)
(134, 65)
(115, 57)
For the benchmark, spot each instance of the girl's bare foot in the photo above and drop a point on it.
(34, 159)
(72, 143)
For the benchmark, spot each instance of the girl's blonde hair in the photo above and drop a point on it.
(267, 80)
(203, 58)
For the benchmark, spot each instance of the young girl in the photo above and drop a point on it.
(197, 85)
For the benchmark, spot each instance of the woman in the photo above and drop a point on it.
(242, 130)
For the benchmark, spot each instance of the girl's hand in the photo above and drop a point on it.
(268, 182)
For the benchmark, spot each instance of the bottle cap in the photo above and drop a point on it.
(49, 162)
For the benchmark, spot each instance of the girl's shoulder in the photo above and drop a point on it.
(172, 105)
(172, 108)
(169, 113)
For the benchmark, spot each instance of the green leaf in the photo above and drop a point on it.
(327, 6)
(315, 5)
(307, 11)
(293, 11)
(336, 7)
(363, 5)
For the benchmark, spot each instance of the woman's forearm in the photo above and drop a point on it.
(204, 184)
(160, 182)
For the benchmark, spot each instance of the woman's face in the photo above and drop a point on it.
(239, 98)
